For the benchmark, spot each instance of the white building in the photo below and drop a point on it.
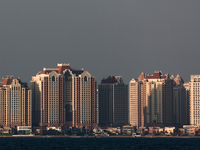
(24, 130)
(195, 100)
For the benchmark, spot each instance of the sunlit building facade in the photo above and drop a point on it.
(15, 103)
(195, 100)
(151, 100)
(64, 96)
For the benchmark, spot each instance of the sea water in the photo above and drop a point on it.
(67, 143)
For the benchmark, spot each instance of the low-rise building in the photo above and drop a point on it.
(128, 129)
(190, 131)
(54, 128)
(155, 130)
(24, 130)
(169, 130)
(5, 130)
(181, 131)
(140, 130)
(97, 130)
(114, 130)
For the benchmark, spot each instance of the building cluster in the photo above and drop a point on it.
(158, 100)
(63, 96)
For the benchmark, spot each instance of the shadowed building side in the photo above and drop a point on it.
(187, 88)
(113, 102)
(180, 109)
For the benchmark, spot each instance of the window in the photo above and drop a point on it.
(85, 78)
(53, 78)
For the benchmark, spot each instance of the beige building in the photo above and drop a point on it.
(15, 103)
(64, 96)
(134, 103)
(195, 100)
(45, 88)
(113, 101)
(158, 100)
(150, 100)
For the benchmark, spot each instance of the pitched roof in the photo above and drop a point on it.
(142, 76)
(156, 75)
(8, 81)
(178, 80)
(63, 68)
(47, 71)
(59, 69)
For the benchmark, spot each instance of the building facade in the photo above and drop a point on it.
(187, 88)
(195, 100)
(135, 114)
(151, 100)
(15, 103)
(180, 102)
(113, 101)
(158, 100)
(64, 96)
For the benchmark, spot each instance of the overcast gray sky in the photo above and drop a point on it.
(105, 37)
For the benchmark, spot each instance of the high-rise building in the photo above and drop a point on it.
(180, 104)
(151, 100)
(135, 115)
(15, 102)
(195, 100)
(64, 96)
(97, 101)
(113, 101)
(187, 88)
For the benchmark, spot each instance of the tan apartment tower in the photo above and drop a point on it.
(15, 103)
(195, 100)
(113, 101)
(64, 96)
(151, 99)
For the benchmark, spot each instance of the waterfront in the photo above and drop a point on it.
(98, 143)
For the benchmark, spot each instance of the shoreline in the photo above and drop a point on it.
(68, 136)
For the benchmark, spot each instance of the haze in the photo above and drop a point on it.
(104, 37)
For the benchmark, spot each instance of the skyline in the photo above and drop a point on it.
(105, 38)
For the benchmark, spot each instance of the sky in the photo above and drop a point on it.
(106, 37)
